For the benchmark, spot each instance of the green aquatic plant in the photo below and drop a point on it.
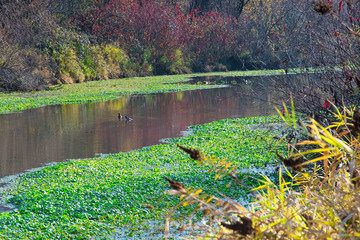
(92, 197)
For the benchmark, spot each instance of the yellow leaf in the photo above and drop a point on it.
(277, 222)
(319, 150)
(259, 187)
(217, 176)
(210, 198)
(228, 165)
(306, 142)
(197, 192)
(355, 234)
(319, 159)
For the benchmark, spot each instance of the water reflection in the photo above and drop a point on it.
(55, 133)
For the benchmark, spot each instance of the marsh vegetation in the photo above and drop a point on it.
(65, 52)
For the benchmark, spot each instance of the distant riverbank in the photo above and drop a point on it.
(95, 91)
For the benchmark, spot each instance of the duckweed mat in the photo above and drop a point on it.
(91, 198)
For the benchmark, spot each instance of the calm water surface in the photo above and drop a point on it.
(32, 138)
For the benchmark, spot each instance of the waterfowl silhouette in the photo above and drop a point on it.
(119, 116)
(128, 119)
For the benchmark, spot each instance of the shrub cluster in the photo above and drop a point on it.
(164, 36)
(22, 65)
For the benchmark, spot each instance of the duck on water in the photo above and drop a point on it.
(127, 119)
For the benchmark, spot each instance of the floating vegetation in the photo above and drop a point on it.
(93, 197)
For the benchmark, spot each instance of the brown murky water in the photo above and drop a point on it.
(32, 138)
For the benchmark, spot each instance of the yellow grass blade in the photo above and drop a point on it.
(319, 159)
(319, 150)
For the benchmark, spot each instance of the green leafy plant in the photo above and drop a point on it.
(91, 198)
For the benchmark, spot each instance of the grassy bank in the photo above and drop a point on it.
(92, 197)
(105, 90)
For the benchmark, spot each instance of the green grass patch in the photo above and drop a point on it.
(92, 197)
(110, 89)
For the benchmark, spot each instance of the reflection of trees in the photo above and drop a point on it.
(261, 88)
(78, 131)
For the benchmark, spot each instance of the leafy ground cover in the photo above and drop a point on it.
(109, 89)
(92, 197)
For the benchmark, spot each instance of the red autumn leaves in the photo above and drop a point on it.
(141, 26)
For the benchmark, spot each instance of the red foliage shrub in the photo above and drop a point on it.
(146, 27)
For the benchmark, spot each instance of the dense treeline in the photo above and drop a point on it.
(46, 42)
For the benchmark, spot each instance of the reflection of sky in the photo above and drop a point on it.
(56, 133)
